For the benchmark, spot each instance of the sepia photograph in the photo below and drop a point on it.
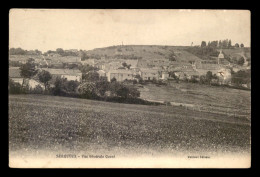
(129, 88)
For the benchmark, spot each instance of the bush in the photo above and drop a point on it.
(15, 88)
(37, 90)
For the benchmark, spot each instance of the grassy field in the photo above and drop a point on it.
(233, 102)
(48, 123)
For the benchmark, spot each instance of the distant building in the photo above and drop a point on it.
(120, 75)
(165, 75)
(149, 74)
(69, 74)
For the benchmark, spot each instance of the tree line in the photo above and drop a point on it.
(222, 44)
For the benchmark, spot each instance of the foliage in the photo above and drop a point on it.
(203, 44)
(15, 88)
(88, 90)
(241, 61)
(37, 90)
(203, 52)
(241, 77)
(63, 87)
(113, 79)
(125, 65)
(202, 79)
(44, 77)
(209, 77)
(28, 70)
(87, 68)
(91, 76)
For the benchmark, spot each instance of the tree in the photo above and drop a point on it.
(87, 68)
(90, 76)
(88, 90)
(28, 70)
(241, 45)
(229, 44)
(209, 77)
(122, 91)
(124, 64)
(133, 93)
(203, 44)
(15, 88)
(113, 80)
(60, 51)
(202, 79)
(17, 51)
(220, 44)
(237, 45)
(241, 61)
(225, 44)
(82, 55)
(44, 77)
(70, 86)
(59, 88)
(102, 86)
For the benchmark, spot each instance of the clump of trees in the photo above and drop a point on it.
(99, 88)
(125, 65)
(241, 77)
(28, 70)
(44, 77)
(20, 51)
(204, 52)
(63, 87)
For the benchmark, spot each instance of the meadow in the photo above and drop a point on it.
(221, 100)
(50, 123)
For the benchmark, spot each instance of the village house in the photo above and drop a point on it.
(159, 62)
(91, 62)
(149, 74)
(165, 75)
(112, 66)
(69, 74)
(120, 74)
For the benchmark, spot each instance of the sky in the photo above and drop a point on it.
(46, 29)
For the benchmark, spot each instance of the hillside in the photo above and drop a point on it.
(238, 52)
(144, 52)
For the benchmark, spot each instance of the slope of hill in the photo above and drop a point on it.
(238, 52)
(144, 52)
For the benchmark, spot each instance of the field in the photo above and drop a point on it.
(39, 123)
(222, 100)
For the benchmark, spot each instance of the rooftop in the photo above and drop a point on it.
(123, 71)
(74, 72)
